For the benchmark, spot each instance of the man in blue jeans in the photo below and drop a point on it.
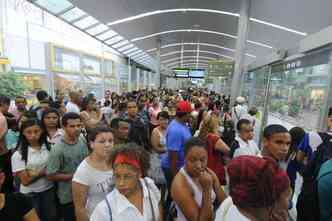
(177, 134)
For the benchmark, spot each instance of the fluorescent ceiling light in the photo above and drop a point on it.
(203, 44)
(177, 10)
(278, 26)
(200, 31)
(195, 51)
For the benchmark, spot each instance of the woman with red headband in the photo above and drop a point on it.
(259, 189)
(134, 197)
(196, 187)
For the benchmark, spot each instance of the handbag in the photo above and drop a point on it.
(150, 200)
(155, 171)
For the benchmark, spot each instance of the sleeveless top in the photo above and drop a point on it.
(162, 138)
(198, 194)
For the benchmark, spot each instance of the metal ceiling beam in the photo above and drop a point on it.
(199, 31)
(200, 43)
(182, 10)
(194, 51)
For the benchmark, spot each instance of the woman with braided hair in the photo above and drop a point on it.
(259, 189)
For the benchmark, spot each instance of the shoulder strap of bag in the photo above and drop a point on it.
(150, 200)
(235, 112)
(109, 208)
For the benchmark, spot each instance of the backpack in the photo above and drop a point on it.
(228, 135)
(235, 145)
(139, 133)
(308, 202)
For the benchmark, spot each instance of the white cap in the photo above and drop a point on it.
(240, 100)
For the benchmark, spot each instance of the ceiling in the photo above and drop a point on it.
(208, 29)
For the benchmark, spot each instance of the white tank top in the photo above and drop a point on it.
(198, 195)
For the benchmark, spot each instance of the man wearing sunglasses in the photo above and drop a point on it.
(246, 144)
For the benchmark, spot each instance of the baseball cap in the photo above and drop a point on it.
(184, 107)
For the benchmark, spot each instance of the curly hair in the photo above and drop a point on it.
(135, 151)
(209, 125)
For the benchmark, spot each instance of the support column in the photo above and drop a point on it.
(145, 80)
(129, 75)
(138, 79)
(103, 70)
(150, 80)
(322, 122)
(240, 49)
(49, 74)
(158, 80)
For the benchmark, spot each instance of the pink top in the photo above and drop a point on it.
(153, 115)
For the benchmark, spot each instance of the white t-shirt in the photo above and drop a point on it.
(71, 107)
(37, 160)
(246, 148)
(123, 210)
(100, 183)
(229, 212)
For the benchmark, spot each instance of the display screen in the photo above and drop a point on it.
(197, 73)
(181, 73)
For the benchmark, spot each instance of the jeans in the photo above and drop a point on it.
(68, 212)
(169, 178)
(44, 203)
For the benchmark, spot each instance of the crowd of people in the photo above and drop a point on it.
(183, 155)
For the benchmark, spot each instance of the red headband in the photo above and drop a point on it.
(125, 159)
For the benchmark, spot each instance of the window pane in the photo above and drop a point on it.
(86, 22)
(73, 14)
(126, 47)
(106, 35)
(98, 29)
(122, 43)
(134, 53)
(54, 6)
(131, 50)
(91, 65)
(114, 40)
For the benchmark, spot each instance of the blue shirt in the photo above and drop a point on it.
(177, 135)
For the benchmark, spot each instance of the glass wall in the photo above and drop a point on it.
(298, 91)
(26, 33)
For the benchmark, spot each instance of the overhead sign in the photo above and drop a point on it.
(220, 68)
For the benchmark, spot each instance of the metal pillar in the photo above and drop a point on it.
(158, 81)
(266, 102)
(240, 49)
(50, 75)
(138, 79)
(145, 85)
(322, 123)
(129, 75)
(150, 80)
(103, 70)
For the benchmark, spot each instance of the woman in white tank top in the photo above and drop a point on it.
(195, 187)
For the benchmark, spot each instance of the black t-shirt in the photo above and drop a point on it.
(16, 207)
(6, 167)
